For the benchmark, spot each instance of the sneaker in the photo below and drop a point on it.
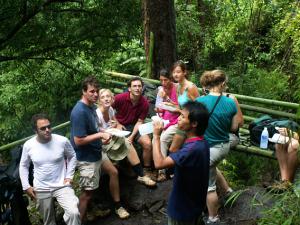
(215, 221)
(122, 213)
(161, 176)
(146, 180)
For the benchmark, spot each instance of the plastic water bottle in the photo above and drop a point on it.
(264, 138)
(159, 99)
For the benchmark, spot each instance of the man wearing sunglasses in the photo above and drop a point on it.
(54, 161)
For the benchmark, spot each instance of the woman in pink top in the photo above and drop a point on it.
(166, 106)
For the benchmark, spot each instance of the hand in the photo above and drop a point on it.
(162, 93)
(130, 139)
(30, 192)
(68, 181)
(157, 127)
(105, 137)
(282, 131)
(113, 124)
(121, 127)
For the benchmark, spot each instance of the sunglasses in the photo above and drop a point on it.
(45, 127)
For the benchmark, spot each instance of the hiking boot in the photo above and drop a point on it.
(161, 176)
(122, 213)
(280, 187)
(146, 180)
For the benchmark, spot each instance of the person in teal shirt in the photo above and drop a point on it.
(223, 119)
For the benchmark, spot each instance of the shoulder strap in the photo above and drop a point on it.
(211, 112)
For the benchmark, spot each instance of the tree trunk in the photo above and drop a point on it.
(159, 16)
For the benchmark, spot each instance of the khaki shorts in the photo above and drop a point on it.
(89, 174)
(217, 153)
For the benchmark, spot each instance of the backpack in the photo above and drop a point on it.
(256, 127)
(13, 206)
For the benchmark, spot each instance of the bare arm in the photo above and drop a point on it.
(177, 142)
(240, 117)
(193, 92)
(160, 161)
(105, 137)
(135, 130)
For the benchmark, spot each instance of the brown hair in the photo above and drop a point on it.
(90, 80)
(212, 78)
(182, 65)
(36, 117)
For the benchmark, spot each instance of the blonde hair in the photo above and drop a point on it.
(101, 91)
(212, 78)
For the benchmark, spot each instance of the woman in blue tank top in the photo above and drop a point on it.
(186, 91)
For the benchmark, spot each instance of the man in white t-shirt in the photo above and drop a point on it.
(54, 161)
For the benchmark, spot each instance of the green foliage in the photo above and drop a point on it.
(255, 42)
(246, 170)
(48, 47)
(285, 211)
(130, 59)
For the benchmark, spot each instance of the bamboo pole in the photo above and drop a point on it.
(128, 76)
(269, 111)
(255, 151)
(21, 141)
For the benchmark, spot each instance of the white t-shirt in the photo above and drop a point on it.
(111, 113)
(53, 162)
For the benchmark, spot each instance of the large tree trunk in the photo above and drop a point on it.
(159, 18)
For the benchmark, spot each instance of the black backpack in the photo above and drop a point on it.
(13, 206)
(257, 126)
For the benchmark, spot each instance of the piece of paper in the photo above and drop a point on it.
(166, 107)
(117, 132)
(278, 138)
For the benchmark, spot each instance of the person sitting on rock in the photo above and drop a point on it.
(191, 162)
(287, 159)
(131, 111)
(107, 120)
(167, 95)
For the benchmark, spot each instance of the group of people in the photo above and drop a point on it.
(199, 133)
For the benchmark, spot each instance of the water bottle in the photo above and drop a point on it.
(264, 138)
(159, 99)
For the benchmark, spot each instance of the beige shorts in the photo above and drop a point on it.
(89, 174)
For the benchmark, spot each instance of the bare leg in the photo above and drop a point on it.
(132, 156)
(145, 142)
(114, 187)
(84, 200)
(222, 181)
(212, 203)
(292, 159)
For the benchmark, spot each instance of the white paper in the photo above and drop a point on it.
(278, 138)
(117, 132)
(166, 107)
(147, 128)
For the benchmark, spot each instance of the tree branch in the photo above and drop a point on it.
(58, 61)
(20, 24)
